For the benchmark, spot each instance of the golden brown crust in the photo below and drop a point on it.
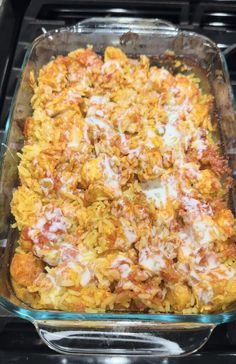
(25, 268)
(123, 196)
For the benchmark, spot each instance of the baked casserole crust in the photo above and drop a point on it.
(122, 203)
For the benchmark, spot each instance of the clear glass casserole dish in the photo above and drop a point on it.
(113, 333)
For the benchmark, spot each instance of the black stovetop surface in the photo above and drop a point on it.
(21, 21)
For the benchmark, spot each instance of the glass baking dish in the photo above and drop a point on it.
(113, 333)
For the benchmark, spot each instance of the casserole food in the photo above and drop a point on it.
(162, 334)
(122, 197)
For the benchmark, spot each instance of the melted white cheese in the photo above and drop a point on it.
(130, 235)
(172, 136)
(98, 122)
(68, 253)
(123, 265)
(190, 204)
(56, 223)
(111, 178)
(120, 260)
(150, 135)
(156, 192)
(124, 270)
(85, 277)
(205, 295)
(53, 213)
(73, 95)
(199, 144)
(107, 66)
(160, 190)
(163, 74)
(151, 261)
(75, 142)
(205, 230)
(98, 99)
(40, 223)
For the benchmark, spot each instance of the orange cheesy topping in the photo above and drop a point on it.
(123, 189)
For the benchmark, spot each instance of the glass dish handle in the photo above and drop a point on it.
(126, 24)
(124, 337)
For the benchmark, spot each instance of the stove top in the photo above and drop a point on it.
(20, 23)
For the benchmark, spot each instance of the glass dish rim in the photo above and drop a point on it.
(35, 315)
